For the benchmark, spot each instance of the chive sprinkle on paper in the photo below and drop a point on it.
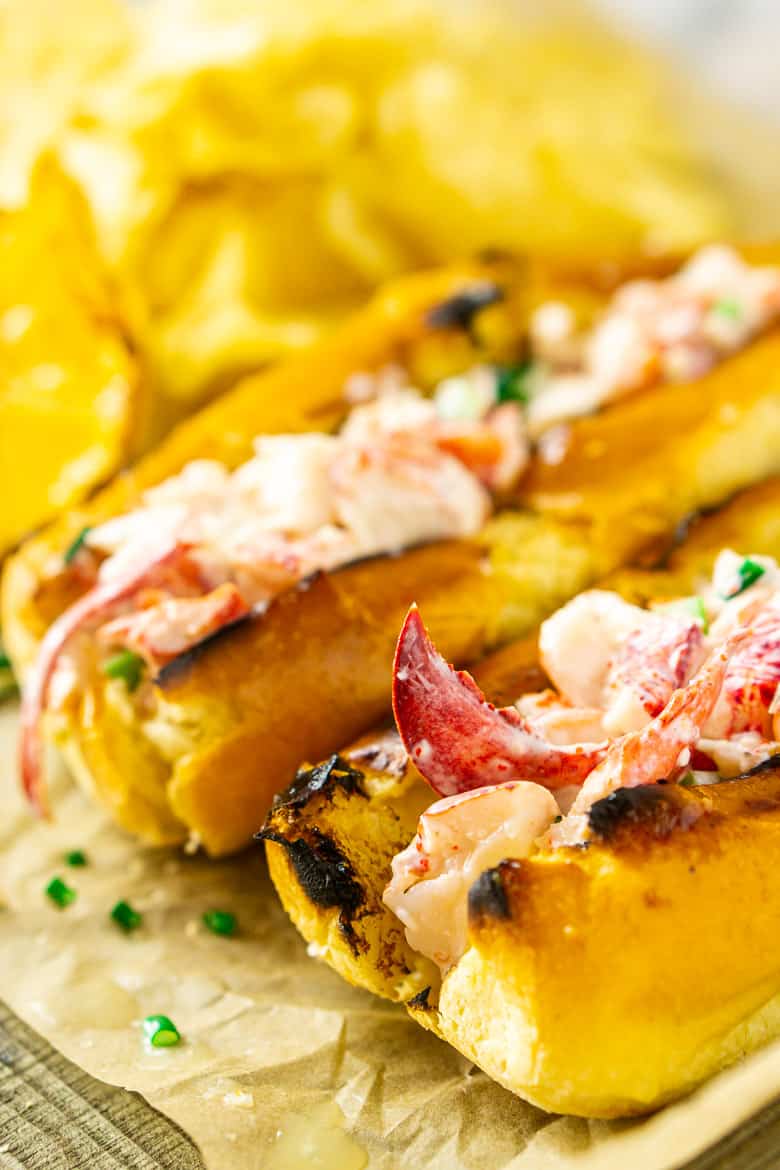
(161, 1032)
(60, 893)
(220, 922)
(126, 917)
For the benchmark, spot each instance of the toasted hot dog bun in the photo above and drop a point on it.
(600, 981)
(233, 717)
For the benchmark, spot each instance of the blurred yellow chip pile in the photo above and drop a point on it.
(255, 168)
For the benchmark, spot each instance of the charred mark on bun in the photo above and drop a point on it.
(459, 310)
(655, 809)
(324, 874)
(178, 668)
(487, 896)
(335, 772)
(420, 1002)
(624, 806)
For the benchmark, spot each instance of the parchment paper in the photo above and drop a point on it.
(282, 1065)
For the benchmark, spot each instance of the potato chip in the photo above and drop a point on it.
(257, 168)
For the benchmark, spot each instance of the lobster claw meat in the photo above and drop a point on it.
(457, 740)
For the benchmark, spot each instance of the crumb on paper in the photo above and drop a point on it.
(317, 950)
(129, 980)
(239, 1099)
(192, 844)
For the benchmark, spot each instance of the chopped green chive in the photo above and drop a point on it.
(61, 894)
(512, 382)
(76, 857)
(728, 307)
(126, 665)
(161, 1032)
(699, 612)
(75, 546)
(687, 781)
(5, 661)
(125, 916)
(749, 573)
(220, 921)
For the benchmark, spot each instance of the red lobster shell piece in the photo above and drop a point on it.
(459, 741)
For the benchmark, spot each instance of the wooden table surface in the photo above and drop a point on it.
(53, 1116)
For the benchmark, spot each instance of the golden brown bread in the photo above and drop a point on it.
(313, 671)
(600, 981)
(606, 981)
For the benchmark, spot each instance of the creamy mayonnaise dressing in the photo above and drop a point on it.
(457, 839)
(670, 330)
(404, 469)
(686, 690)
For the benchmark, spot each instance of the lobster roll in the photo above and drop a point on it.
(565, 864)
(486, 442)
